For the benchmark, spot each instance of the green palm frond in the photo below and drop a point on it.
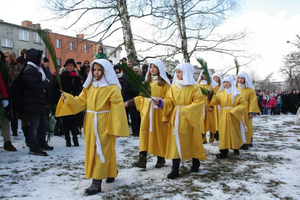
(203, 64)
(237, 66)
(136, 81)
(50, 47)
(204, 91)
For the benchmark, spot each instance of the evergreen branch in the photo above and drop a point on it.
(237, 66)
(204, 91)
(49, 45)
(203, 64)
(136, 82)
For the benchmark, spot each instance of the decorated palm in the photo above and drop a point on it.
(237, 66)
(203, 64)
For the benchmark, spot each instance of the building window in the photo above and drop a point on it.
(71, 45)
(58, 60)
(23, 35)
(36, 38)
(85, 48)
(6, 42)
(58, 43)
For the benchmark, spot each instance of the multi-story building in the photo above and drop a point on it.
(15, 37)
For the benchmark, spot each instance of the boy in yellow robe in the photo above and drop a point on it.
(208, 119)
(105, 119)
(246, 88)
(153, 132)
(233, 105)
(183, 105)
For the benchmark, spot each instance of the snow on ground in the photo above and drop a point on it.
(269, 170)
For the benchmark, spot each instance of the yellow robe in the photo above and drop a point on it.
(209, 122)
(230, 116)
(216, 111)
(252, 107)
(190, 102)
(109, 125)
(156, 141)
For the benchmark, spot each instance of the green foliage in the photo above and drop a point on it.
(136, 81)
(203, 64)
(50, 47)
(237, 66)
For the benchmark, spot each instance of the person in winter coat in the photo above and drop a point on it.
(265, 105)
(278, 105)
(105, 119)
(273, 103)
(35, 102)
(72, 84)
(285, 102)
(101, 54)
(293, 101)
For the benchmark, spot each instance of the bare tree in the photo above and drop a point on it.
(101, 18)
(187, 26)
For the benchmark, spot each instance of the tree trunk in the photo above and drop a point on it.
(127, 33)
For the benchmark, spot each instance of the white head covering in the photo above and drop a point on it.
(161, 68)
(234, 89)
(212, 81)
(248, 82)
(221, 81)
(188, 72)
(109, 72)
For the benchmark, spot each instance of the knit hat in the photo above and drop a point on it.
(70, 60)
(117, 67)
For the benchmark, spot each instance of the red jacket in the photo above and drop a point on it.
(273, 103)
(3, 90)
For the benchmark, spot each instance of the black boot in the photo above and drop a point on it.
(222, 154)
(75, 140)
(141, 163)
(175, 169)
(25, 132)
(8, 146)
(94, 188)
(236, 152)
(196, 165)
(217, 136)
(245, 147)
(160, 162)
(251, 143)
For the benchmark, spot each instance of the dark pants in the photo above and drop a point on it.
(135, 120)
(37, 130)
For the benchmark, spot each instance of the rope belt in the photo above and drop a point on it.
(176, 131)
(98, 144)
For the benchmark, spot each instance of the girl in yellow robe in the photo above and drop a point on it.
(218, 79)
(153, 132)
(231, 129)
(105, 119)
(208, 118)
(246, 88)
(183, 105)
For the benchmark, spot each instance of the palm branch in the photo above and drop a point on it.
(203, 64)
(49, 45)
(237, 66)
(136, 81)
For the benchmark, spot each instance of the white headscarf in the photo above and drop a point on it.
(188, 72)
(234, 89)
(109, 72)
(38, 68)
(248, 82)
(161, 68)
(212, 81)
(221, 81)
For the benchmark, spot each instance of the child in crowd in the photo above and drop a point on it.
(153, 132)
(278, 105)
(273, 103)
(183, 106)
(218, 79)
(233, 106)
(265, 105)
(105, 119)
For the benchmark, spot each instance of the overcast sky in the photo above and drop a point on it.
(271, 23)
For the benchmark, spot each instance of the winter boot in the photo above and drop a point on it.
(251, 143)
(160, 162)
(141, 163)
(25, 132)
(245, 147)
(8, 146)
(211, 137)
(196, 165)
(110, 179)
(75, 140)
(94, 188)
(175, 169)
(236, 152)
(204, 138)
(222, 154)
(217, 136)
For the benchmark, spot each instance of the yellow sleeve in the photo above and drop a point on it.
(71, 105)
(253, 104)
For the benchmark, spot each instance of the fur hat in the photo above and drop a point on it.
(70, 60)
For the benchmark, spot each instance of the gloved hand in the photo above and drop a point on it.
(5, 103)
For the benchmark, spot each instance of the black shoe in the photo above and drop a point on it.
(173, 174)
(94, 188)
(8, 146)
(221, 155)
(68, 143)
(245, 147)
(38, 152)
(236, 152)
(196, 165)
(75, 140)
(46, 147)
(109, 180)
(251, 143)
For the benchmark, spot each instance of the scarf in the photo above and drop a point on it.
(242, 86)
(179, 84)
(154, 78)
(38, 68)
